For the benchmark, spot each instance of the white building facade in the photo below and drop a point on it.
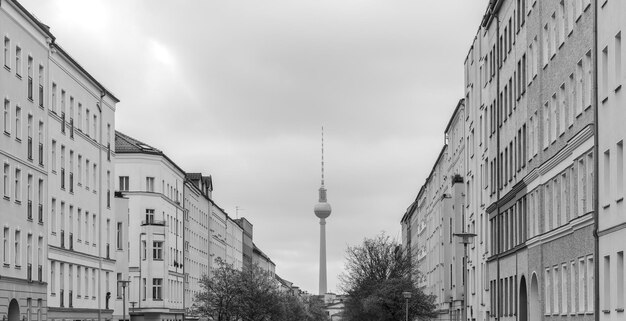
(154, 186)
(23, 154)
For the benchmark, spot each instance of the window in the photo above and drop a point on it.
(124, 183)
(590, 284)
(572, 286)
(144, 250)
(605, 73)
(6, 188)
(563, 289)
(149, 216)
(6, 116)
(607, 177)
(5, 246)
(30, 78)
(7, 54)
(53, 216)
(157, 250)
(18, 185)
(618, 60)
(620, 280)
(119, 286)
(119, 235)
(18, 249)
(150, 184)
(582, 272)
(619, 170)
(607, 283)
(157, 286)
(52, 277)
(547, 288)
(18, 61)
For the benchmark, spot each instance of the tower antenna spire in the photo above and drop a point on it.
(322, 155)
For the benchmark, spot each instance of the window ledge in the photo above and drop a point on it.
(605, 206)
(618, 88)
(619, 310)
(619, 200)
(605, 99)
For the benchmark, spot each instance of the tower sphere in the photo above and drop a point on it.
(322, 210)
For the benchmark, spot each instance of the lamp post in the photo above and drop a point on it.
(466, 238)
(407, 296)
(124, 283)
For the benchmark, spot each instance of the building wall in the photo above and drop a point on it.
(145, 233)
(234, 243)
(81, 220)
(217, 245)
(611, 76)
(24, 204)
(198, 207)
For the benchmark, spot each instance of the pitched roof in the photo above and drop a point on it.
(125, 144)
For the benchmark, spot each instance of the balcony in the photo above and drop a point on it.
(29, 210)
(29, 272)
(71, 241)
(40, 273)
(41, 96)
(40, 213)
(153, 222)
(41, 154)
(30, 148)
(62, 239)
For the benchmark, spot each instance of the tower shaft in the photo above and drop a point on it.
(322, 280)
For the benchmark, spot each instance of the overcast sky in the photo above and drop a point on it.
(239, 90)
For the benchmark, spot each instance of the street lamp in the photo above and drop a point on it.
(466, 238)
(407, 296)
(123, 283)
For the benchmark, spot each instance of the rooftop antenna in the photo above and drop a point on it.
(237, 209)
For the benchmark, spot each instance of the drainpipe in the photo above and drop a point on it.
(100, 208)
(184, 234)
(140, 283)
(498, 165)
(596, 179)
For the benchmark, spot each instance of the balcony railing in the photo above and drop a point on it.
(29, 210)
(71, 241)
(40, 273)
(61, 298)
(40, 95)
(41, 154)
(30, 148)
(29, 272)
(153, 222)
(40, 213)
(62, 239)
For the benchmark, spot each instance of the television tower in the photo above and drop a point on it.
(322, 210)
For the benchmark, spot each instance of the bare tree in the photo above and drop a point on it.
(376, 274)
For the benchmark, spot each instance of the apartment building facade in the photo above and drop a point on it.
(611, 133)
(154, 186)
(23, 153)
(529, 191)
(197, 195)
(431, 222)
(234, 243)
